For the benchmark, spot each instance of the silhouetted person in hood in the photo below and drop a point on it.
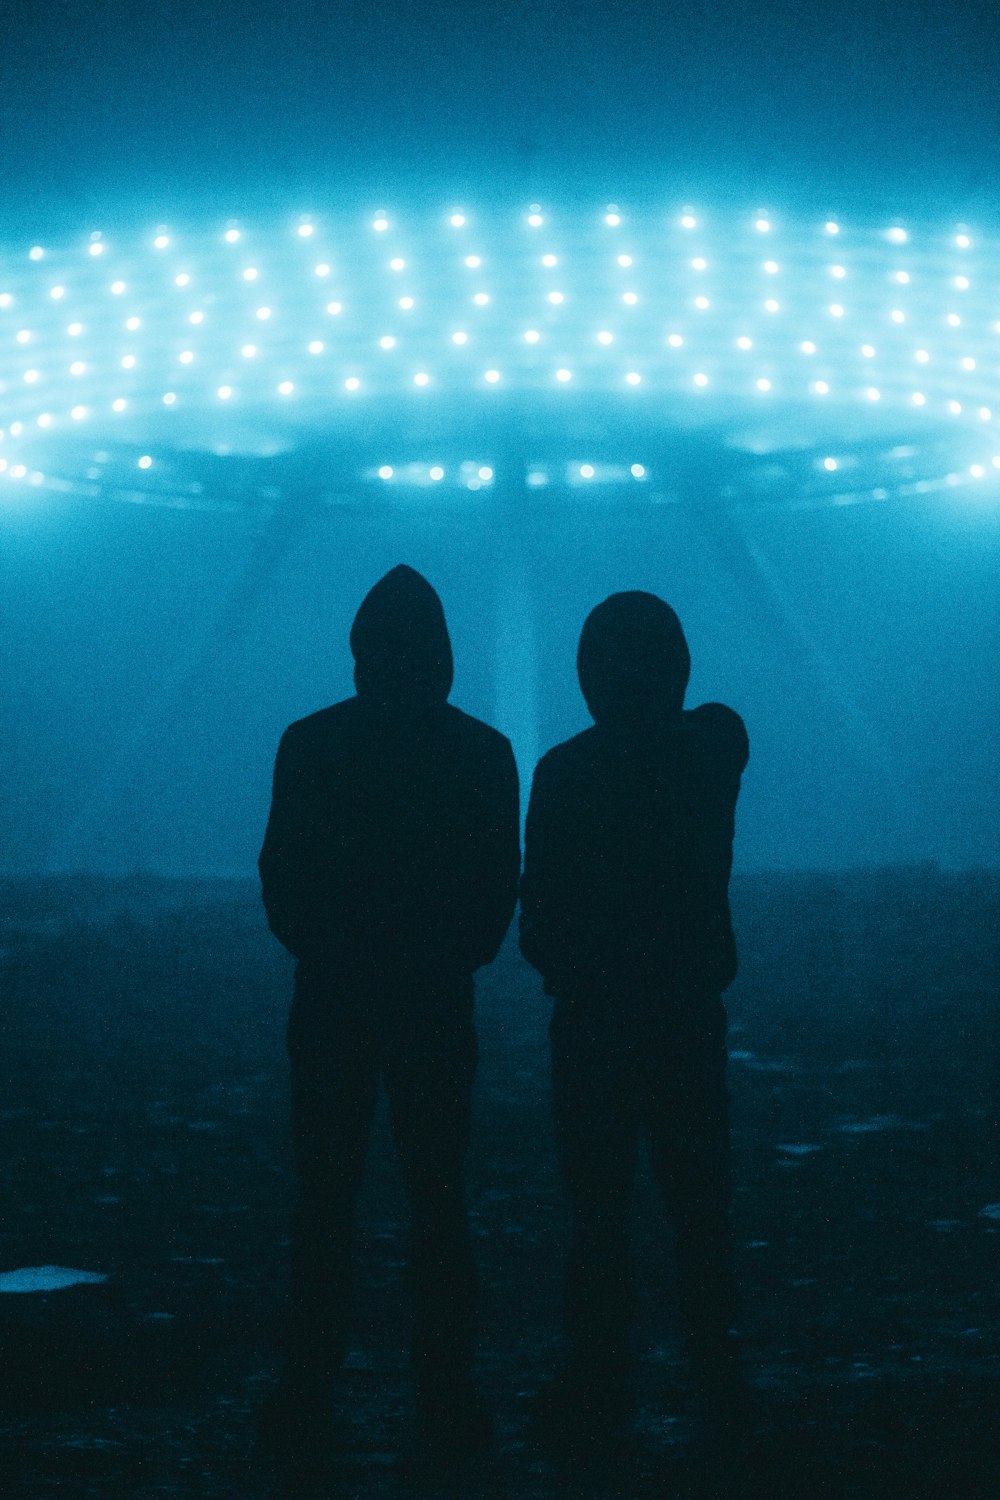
(389, 869)
(625, 913)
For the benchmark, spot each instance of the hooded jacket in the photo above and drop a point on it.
(629, 836)
(392, 846)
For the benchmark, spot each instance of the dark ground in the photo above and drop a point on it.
(143, 1122)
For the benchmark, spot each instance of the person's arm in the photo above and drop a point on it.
(544, 858)
(287, 859)
(500, 857)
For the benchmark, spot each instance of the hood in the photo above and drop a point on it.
(633, 661)
(399, 641)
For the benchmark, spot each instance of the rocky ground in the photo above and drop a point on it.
(143, 1134)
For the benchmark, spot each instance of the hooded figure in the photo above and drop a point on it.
(389, 870)
(625, 913)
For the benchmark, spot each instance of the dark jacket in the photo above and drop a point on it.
(628, 845)
(392, 848)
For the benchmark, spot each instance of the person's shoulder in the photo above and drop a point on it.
(719, 730)
(476, 732)
(316, 728)
(569, 755)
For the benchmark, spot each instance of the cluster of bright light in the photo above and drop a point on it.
(670, 305)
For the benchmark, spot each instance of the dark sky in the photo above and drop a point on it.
(163, 108)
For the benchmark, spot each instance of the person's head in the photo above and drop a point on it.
(633, 661)
(399, 641)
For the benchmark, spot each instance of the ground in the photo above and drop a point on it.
(143, 1125)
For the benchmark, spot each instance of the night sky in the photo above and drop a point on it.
(138, 730)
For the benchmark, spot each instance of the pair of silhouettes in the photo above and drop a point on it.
(390, 869)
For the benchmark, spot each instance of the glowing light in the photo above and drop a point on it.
(333, 308)
(624, 260)
(638, 471)
(485, 473)
(181, 279)
(701, 380)
(74, 330)
(45, 420)
(836, 311)
(169, 398)
(463, 338)
(898, 315)
(532, 336)
(263, 313)
(762, 225)
(231, 236)
(586, 471)
(549, 260)
(921, 356)
(23, 336)
(962, 241)
(953, 320)
(128, 362)
(604, 337)
(248, 351)
(962, 282)
(557, 298)
(286, 387)
(743, 342)
(771, 267)
(437, 473)
(186, 356)
(36, 252)
(380, 223)
(977, 471)
(78, 413)
(421, 378)
(808, 347)
(118, 287)
(918, 398)
(162, 241)
(5, 299)
(613, 219)
(897, 236)
(699, 263)
(564, 375)
(250, 274)
(633, 377)
(868, 350)
(305, 230)
(492, 376)
(119, 404)
(473, 261)
(873, 393)
(968, 363)
(145, 462)
(316, 346)
(902, 277)
(387, 341)
(386, 470)
(31, 377)
(763, 384)
(352, 383)
(77, 367)
(57, 292)
(830, 464)
(985, 415)
(397, 263)
(839, 272)
(955, 407)
(406, 303)
(132, 324)
(97, 248)
(535, 220)
(702, 303)
(196, 318)
(18, 471)
(482, 298)
(831, 227)
(322, 269)
(630, 298)
(456, 221)
(224, 392)
(674, 340)
(821, 388)
(688, 221)
(771, 306)
(996, 461)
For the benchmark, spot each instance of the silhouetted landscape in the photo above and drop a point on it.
(145, 1139)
